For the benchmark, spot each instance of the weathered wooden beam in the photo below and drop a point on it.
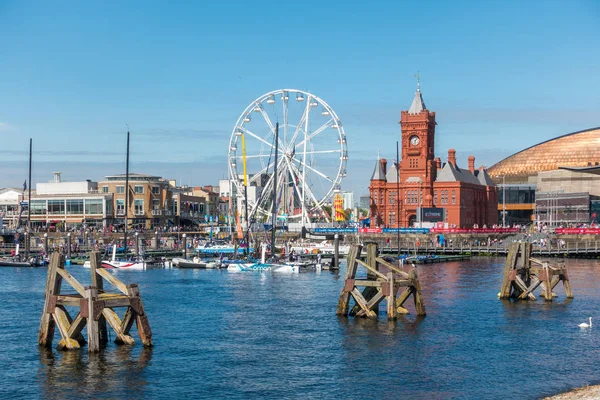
(519, 282)
(418, 297)
(360, 300)
(403, 296)
(568, 289)
(91, 295)
(391, 297)
(508, 267)
(534, 285)
(53, 282)
(113, 320)
(368, 283)
(72, 300)
(117, 302)
(373, 304)
(343, 302)
(62, 322)
(371, 256)
(76, 327)
(128, 320)
(120, 286)
(371, 269)
(392, 267)
(141, 319)
(72, 281)
(98, 283)
(547, 284)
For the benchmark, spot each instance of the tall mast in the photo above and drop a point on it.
(398, 194)
(274, 216)
(27, 237)
(245, 192)
(126, 192)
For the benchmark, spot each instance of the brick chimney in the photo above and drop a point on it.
(384, 166)
(438, 163)
(452, 157)
(472, 164)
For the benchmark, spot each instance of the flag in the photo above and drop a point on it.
(25, 185)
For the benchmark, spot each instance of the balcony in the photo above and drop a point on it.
(157, 212)
(139, 212)
(120, 212)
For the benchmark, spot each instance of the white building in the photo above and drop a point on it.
(348, 200)
(9, 207)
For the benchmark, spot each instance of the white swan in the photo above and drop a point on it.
(584, 325)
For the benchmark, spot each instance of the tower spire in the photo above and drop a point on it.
(418, 81)
(418, 104)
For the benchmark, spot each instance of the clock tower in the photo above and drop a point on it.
(418, 134)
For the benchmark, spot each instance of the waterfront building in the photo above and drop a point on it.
(9, 207)
(59, 205)
(542, 169)
(429, 192)
(150, 200)
(210, 194)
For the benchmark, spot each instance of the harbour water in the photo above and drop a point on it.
(253, 335)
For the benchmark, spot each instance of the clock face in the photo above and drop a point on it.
(414, 140)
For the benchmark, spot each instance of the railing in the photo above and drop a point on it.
(120, 212)
(139, 212)
(157, 212)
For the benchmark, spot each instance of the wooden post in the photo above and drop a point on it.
(53, 282)
(418, 298)
(370, 291)
(98, 283)
(91, 295)
(336, 251)
(141, 319)
(343, 303)
(391, 297)
(508, 267)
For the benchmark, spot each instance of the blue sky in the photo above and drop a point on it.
(501, 76)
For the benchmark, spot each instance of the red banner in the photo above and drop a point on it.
(370, 230)
(475, 230)
(577, 231)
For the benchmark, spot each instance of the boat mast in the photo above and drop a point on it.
(28, 236)
(126, 192)
(245, 193)
(274, 212)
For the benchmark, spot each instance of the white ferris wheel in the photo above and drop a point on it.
(311, 156)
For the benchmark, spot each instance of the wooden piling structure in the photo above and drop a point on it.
(95, 308)
(377, 286)
(523, 274)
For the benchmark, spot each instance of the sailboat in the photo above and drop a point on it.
(263, 266)
(113, 263)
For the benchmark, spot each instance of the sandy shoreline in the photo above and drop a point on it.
(584, 393)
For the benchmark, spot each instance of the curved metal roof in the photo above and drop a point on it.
(577, 149)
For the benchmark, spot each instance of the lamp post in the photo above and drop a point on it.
(26, 243)
(184, 236)
(69, 245)
(46, 243)
(504, 201)
(137, 244)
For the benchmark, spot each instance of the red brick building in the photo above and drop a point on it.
(429, 190)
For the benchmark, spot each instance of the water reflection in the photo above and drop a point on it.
(111, 373)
